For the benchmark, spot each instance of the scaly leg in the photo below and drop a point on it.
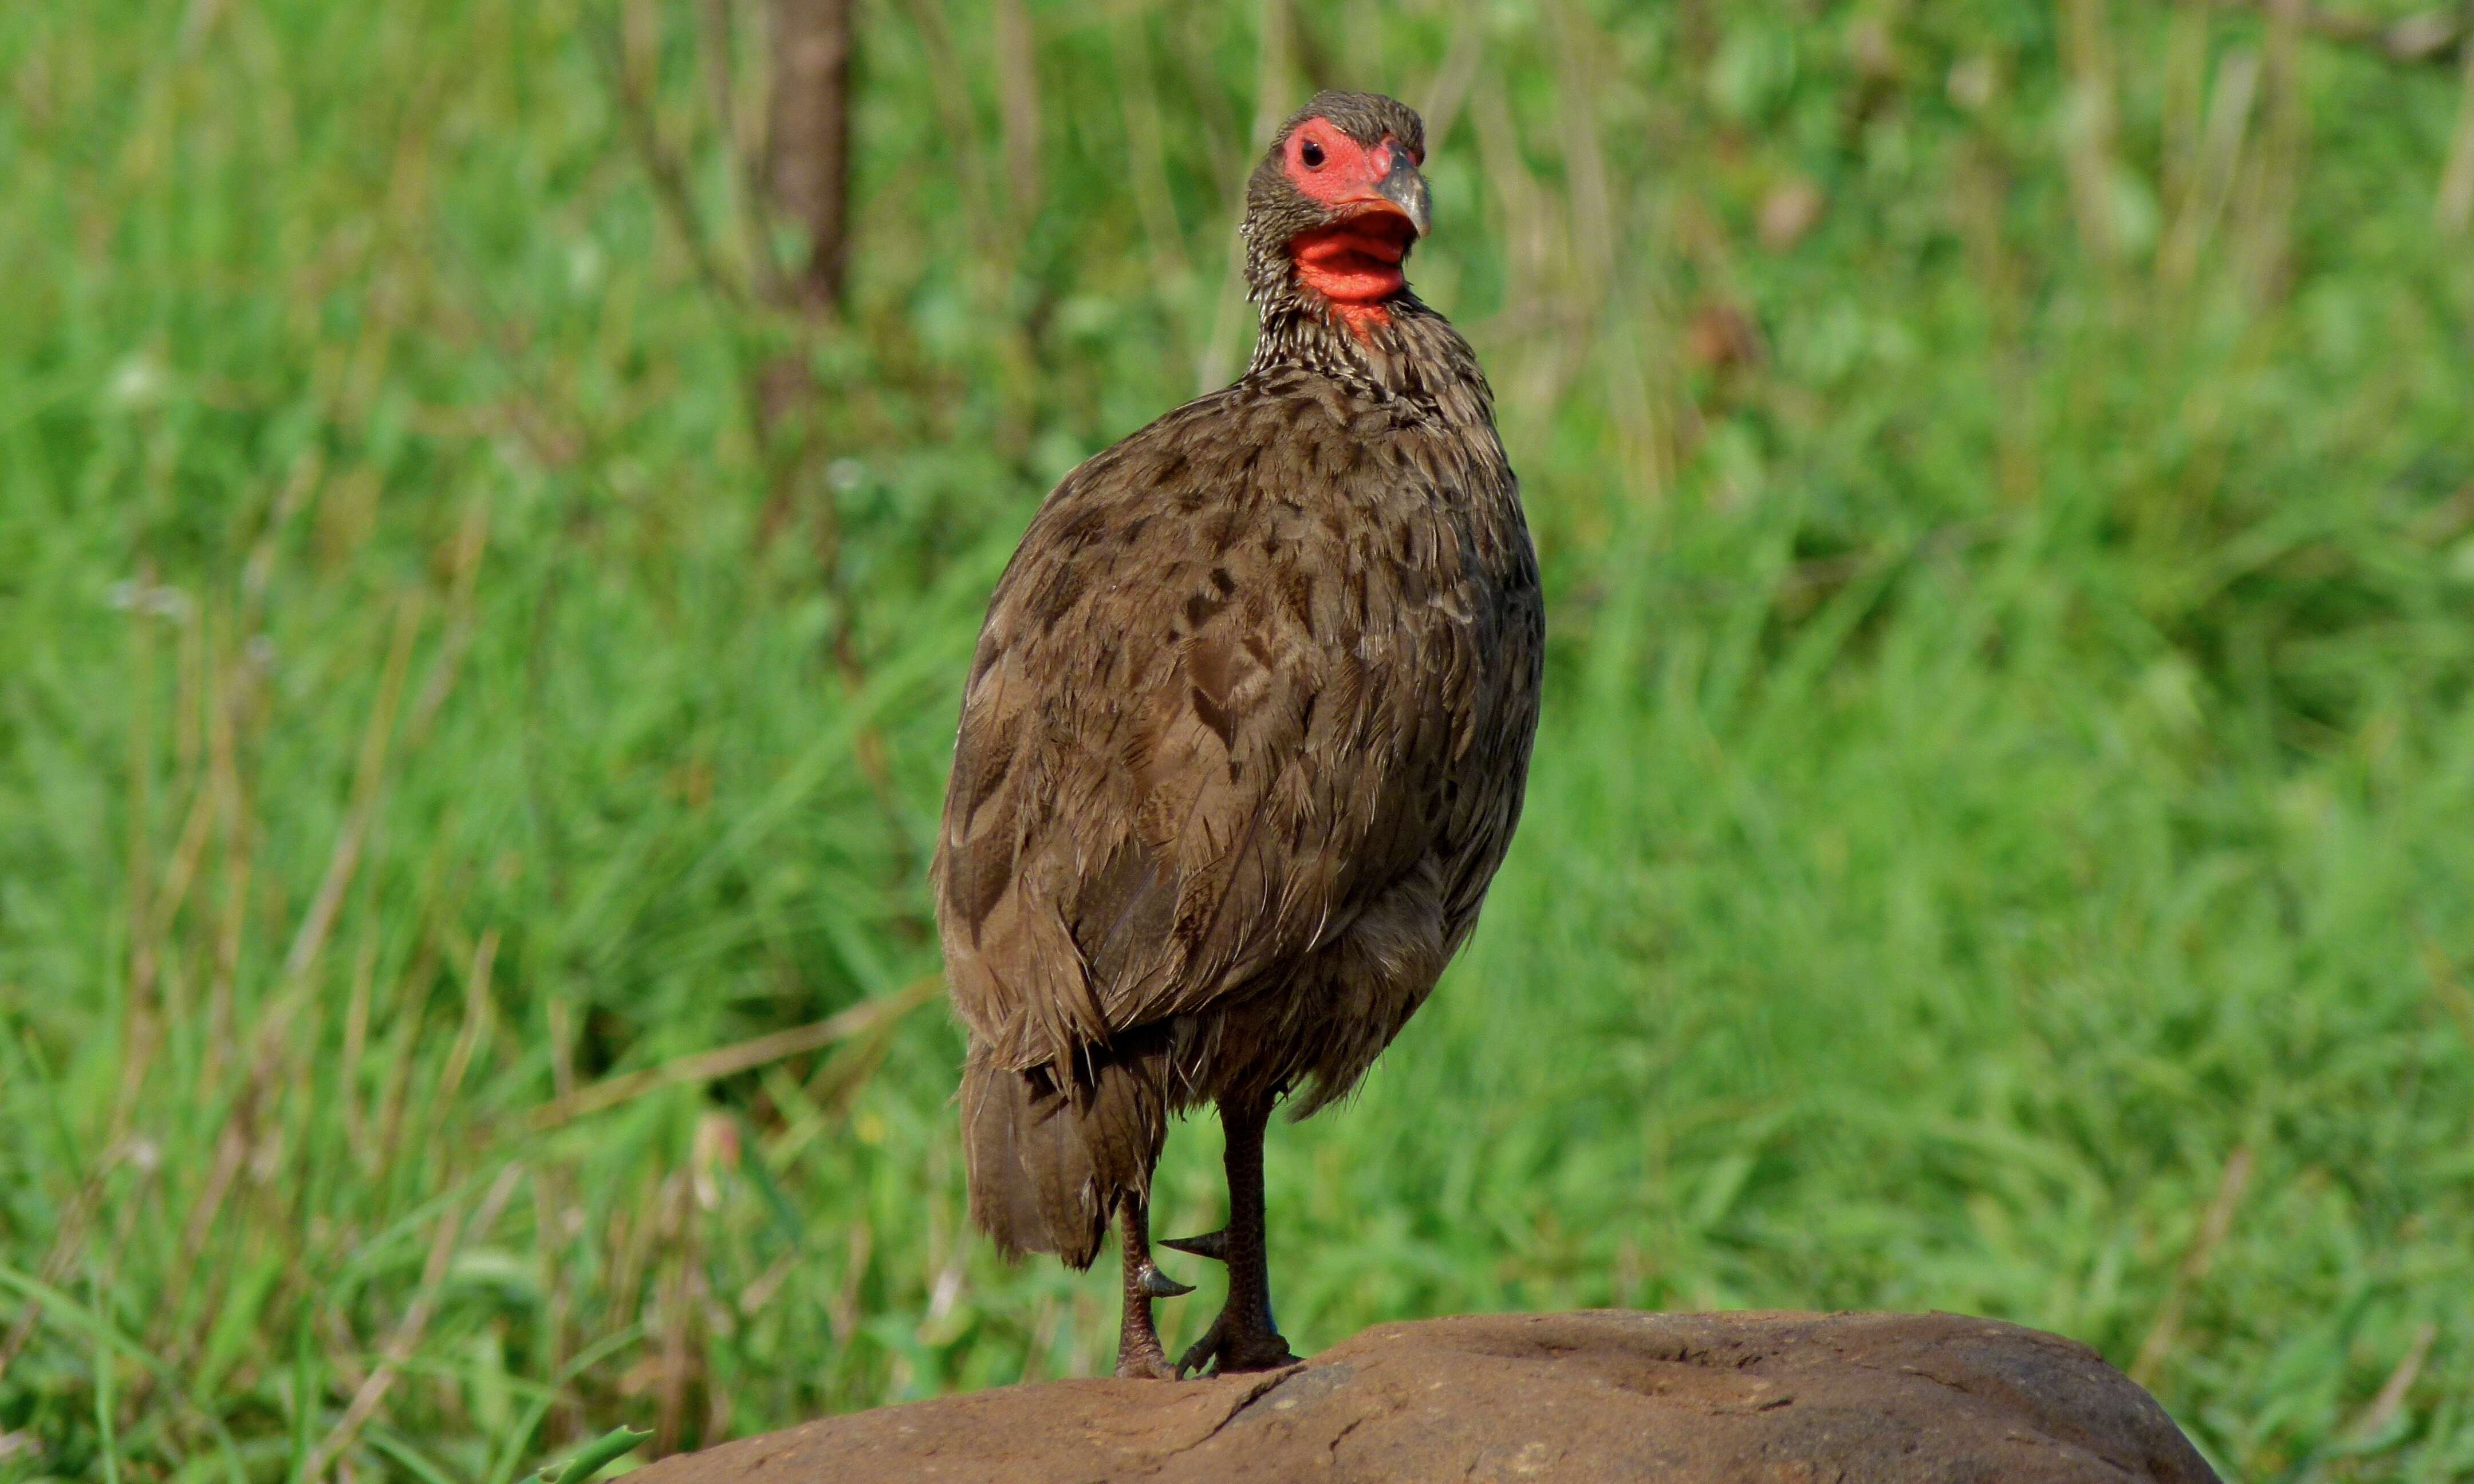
(1244, 1337)
(1138, 1343)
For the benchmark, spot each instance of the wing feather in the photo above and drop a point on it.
(1188, 739)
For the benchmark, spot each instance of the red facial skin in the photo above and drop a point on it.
(1354, 262)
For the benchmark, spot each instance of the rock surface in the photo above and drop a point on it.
(1684, 1399)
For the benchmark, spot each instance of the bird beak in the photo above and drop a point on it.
(1405, 189)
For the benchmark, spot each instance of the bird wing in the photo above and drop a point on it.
(1209, 716)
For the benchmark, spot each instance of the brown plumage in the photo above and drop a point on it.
(1244, 740)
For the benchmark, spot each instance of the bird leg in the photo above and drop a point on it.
(1138, 1343)
(1244, 1337)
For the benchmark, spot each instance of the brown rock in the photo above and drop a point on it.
(1599, 1395)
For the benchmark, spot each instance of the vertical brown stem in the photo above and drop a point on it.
(810, 143)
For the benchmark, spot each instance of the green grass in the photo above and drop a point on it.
(2000, 839)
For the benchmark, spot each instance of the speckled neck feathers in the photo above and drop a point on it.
(1410, 354)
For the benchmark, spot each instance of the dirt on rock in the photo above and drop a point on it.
(1558, 1399)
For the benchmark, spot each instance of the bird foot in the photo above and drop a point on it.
(1139, 1362)
(1229, 1348)
(1210, 1244)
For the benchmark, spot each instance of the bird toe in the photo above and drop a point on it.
(1210, 1244)
(1159, 1285)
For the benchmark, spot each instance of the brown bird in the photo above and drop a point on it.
(1243, 743)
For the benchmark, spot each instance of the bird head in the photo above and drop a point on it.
(1337, 201)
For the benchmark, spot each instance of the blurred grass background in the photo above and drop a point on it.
(475, 683)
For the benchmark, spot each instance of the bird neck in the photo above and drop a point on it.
(1395, 346)
(1391, 347)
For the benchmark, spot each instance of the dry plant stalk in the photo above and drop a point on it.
(2390, 1401)
(2216, 1224)
(809, 141)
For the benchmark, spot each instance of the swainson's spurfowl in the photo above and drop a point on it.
(1243, 743)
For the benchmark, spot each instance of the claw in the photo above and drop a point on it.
(1210, 1244)
(1159, 1285)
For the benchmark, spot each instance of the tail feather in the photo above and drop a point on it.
(1049, 1161)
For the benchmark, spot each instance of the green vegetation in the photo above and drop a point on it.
(2002, 838)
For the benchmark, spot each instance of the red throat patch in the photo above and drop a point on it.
(1355, 262)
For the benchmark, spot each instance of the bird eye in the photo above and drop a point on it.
(1312, 153)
